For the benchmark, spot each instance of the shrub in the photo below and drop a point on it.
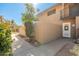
(5, 40)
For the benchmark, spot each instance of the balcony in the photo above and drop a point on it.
(71, 12)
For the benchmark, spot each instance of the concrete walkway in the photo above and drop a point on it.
(23, 48)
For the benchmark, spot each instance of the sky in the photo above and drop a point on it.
(14, 10)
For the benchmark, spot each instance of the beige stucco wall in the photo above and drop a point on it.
(48, 28)
(44, 14)
(77, 22)
(77, 26)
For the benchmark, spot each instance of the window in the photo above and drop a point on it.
(51, 12)
(66, 28)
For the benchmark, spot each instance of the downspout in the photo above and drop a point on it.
(63, 9)
(62, 16)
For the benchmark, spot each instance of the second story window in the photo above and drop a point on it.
(51, 12)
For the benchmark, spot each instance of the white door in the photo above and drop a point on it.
(67, 30)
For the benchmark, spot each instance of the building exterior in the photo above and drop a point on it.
(13, 26)
(1, 19)
(70, 16)
(21, 30)
(58, 21)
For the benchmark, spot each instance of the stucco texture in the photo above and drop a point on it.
(48, 28)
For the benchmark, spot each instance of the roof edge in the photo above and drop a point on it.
(48, 9)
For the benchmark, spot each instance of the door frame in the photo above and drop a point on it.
(69, 29)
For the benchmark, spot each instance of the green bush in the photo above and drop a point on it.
(5, 40)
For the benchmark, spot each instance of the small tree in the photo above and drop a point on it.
(5, 39)
(28, 17)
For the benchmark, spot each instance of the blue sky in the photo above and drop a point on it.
(43, 6)
(14, 10)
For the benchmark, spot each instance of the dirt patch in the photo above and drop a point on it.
(31, 40)
(65, 50)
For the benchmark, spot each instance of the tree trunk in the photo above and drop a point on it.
(29, 29)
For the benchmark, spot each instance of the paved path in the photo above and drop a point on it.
(65, 51)
(23, 48)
